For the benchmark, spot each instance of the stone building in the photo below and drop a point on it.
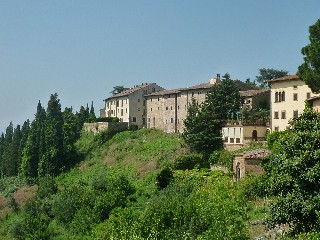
(315, 103)
(130, 105)
(249, 162)
(256, 98)
(288, 96)
(167, 109)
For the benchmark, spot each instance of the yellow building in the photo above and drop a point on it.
(288, 96)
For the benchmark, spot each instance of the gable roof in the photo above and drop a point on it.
(286, 78)
(241, 86)
(249, 93)
(130, 90)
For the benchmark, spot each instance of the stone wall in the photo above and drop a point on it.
(104, 126)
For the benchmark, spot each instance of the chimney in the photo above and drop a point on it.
(215, 80)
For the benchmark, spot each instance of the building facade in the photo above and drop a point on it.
(167, 109)
(130, 105)
(288, 96)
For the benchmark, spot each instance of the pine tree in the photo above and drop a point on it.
(70, 134)
(1, 155)
(7, 156)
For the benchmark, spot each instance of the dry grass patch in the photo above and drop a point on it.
(109, 161)
(23, 194)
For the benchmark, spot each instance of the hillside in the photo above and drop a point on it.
(125, 187)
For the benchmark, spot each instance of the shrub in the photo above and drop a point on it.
(191, 161)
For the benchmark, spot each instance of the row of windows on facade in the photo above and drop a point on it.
(283, 114)
(281, 96)
(167, 108)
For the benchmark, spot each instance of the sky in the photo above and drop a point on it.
(81, 49)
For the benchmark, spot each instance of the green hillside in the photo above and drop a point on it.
(125, 187)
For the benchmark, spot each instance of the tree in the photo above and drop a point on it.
(268, 74)
(118, 89)
(293, 173)
(204, 123)
(34, 146)
(53, 158)
(309, 71)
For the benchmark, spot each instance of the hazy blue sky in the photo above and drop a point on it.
(81, 49)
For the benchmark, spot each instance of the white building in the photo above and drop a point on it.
(130, 105)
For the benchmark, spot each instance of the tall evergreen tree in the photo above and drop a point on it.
(204, 123)
(53, 158)
(7, 156)
(1, 155)
(24, 137)
(32, 151)
(71, 134)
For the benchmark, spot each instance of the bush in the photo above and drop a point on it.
(191, 161)
(223, 157)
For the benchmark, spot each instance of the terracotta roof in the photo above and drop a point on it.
(313, 98)
(248, 93)
(165, 92)
(130, 90)
(260, 153)
(286, 78)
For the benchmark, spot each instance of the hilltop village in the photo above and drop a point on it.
(148, 105)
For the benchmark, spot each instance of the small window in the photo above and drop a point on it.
(237, 140)
(276, 97)
(283, 97)
(171, 107)
(138, 109)
(308, 95)
(276, 115)
(158, 99)
(134, 119)
(150, 109)
(171, 120)
(231, 140)
(295, 113)
(283, 115)
(295, 87)
(167, 108)
(153, 89)
(138, 99)
(295, 97)
(158, 108)
(276, 128)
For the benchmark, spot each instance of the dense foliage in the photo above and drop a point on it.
(294, 176)
(46, 146)
(266, 74)
(309, 71)
(204, 122)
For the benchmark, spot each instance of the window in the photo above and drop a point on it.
(144, 102)
(276, 96)
(158, 108)
(295, 97)
(276, 128)
(308, 95)
(158, 99)
(153, 89)
(167, 108)
(276, 115)
(121, 112)
(126, 110)
(117, 103)
(171, 120)
(138, 99)
(171, 107)
(134, 119)
(283, 96)
(150, 109)
(121, 103)
(295, 113)
(295, 87)
(138, 109)
(283, 115)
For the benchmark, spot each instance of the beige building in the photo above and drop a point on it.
(167, 109)
(130, 105)
(288, 96)
(315, 103)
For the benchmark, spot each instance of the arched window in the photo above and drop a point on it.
(276, 95)
(283, 96)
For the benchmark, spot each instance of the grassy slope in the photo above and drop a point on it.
(139, 155)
